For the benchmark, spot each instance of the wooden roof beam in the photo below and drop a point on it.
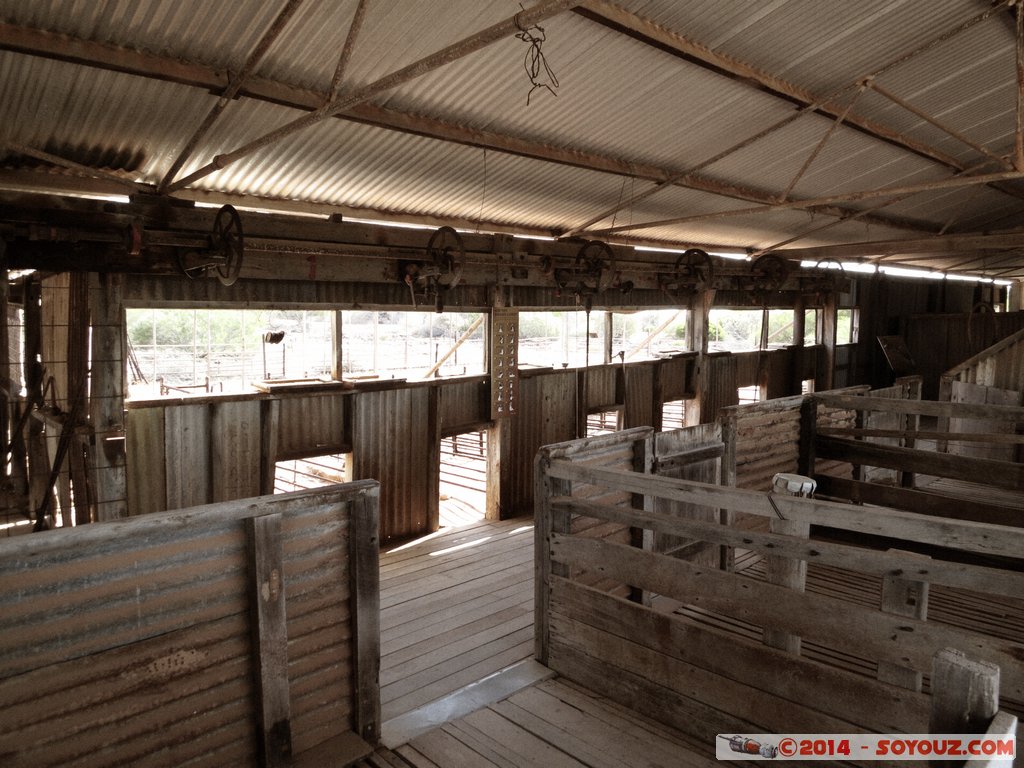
(257, 53)
(930, 245)
(459, 50)
(617, 18)
(105, 56)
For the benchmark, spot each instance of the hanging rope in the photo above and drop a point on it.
(535, 63)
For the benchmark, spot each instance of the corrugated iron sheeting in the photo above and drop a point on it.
(391, 430)
(94, 117)
(393, 35)
(220, 34)
(615, 96)
(463, 404)
(312, 425)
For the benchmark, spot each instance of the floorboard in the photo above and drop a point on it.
(456, 607)
(555, 723)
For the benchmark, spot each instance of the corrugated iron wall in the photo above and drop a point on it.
(130, 642)
(312, 423)
(396, 443)
(203, 449)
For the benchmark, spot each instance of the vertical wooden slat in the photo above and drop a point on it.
(727, 554)
(147, 463)
(187, 455)
(235, 458)
(270, 419)
(546, 522)
(903, 597)
(364, 588)
(270, 640)
(106, 397)
(786, 572)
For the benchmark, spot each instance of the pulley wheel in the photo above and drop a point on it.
(228, 242)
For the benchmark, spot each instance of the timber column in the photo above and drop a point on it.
(503, 347)
(106, 401)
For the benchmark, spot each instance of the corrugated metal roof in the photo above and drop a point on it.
(619, 98)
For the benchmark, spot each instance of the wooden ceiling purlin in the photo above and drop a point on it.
(354, 28)
(468, 45)
(625, 22)
(231, 91)
(105, 56)
(848, 197)
(885, 250)
(619, 19)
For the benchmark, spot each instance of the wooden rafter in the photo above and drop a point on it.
(931, 245)
(850, 197)
(447, 55)
(105, 56)
(257, 53)
(346, 52)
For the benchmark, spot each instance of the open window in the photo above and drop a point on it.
(312, 472)
(412, 345)
(847, 325)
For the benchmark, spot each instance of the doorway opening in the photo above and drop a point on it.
(462, 491)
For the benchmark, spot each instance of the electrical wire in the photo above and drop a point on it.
(535, 63)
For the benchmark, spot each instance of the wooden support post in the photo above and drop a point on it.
(337, 338)
(910, 422)
(433, 468)
(502, 344)
(270, 417)
(825, 378)
(808, 435)
(786, 572)
(903, 597)
(546, 521)
(727, 554)
(364, 588)
(6, 390)
(965, 693)
(643, 462)
(106, 396)
(270, 640)
(38, 460)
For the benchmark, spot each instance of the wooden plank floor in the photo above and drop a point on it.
(554, 723)
(456, 607)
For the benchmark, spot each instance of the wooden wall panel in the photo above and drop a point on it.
(692, 453)
(187, 455)
(640, 401)
(547, 414)
(147, 464)
(720, 385)
(130, 642)
(676, 377)
(392, 443)
(235, 435)
(602, 386)
(462, 405)
(54, 310)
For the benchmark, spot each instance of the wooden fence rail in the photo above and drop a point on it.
(710, 676)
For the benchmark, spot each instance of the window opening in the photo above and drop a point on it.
(751, 394)
(312, 472)
(604, 422)
(673, 415)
